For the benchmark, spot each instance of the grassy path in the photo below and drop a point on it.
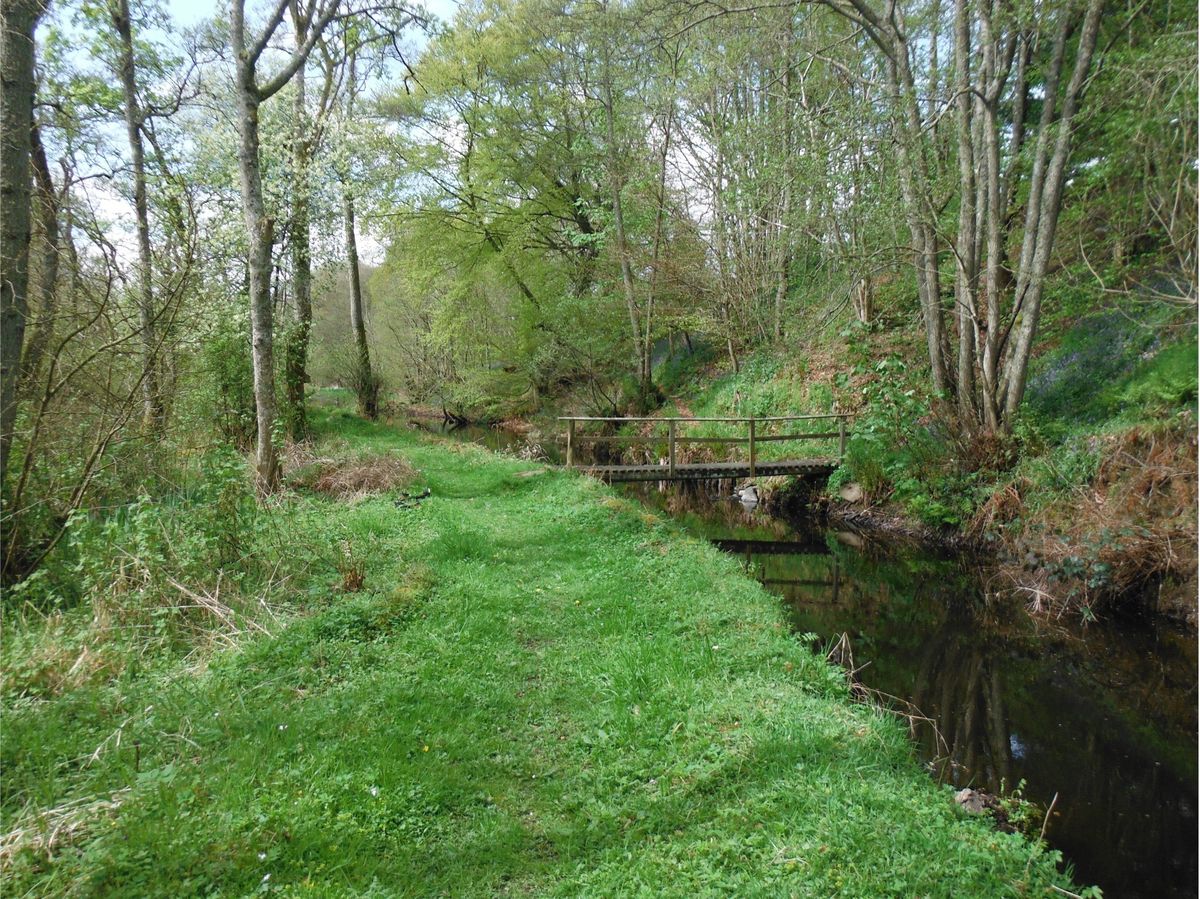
(541, 690)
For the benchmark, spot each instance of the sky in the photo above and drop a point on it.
(189, 12)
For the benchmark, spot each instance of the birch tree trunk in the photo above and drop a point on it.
(260, 233)
(260, 229)
(152, 406)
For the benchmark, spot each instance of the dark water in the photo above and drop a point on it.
(1102, 716)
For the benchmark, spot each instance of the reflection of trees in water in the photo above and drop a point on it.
(959, 688)
(1097, 717)
(923, 642)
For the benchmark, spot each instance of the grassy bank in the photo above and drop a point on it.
(517, 685)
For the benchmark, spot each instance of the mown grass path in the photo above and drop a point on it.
(541, 690)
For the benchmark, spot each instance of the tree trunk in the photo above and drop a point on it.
(615, 187)
(18, 19)
(1044, 218)
(48, 206)
(260, 232)
(914, 186)
(296, 352)
(152, 407)
(783, 236)
(965, 282)
(659, 224)
(364, 378)
(260, 229)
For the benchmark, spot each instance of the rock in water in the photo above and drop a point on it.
(849, 538)
(851, 493)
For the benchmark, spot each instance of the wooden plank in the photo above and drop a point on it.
(616, 438)
(613, 438)
(710, 470)
(820, 435)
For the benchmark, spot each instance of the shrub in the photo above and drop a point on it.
(229, 376)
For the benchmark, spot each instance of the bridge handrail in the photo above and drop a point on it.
(673, 437)
(748, 418)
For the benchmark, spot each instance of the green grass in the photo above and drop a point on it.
(542, 689)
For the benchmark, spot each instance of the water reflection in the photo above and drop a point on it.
(1102, 717)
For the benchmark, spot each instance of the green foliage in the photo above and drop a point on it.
(1070, 466)
(1162, 384)
(131, 560)
(683, 369)
(899, 448)
(229, 379)
(1116, 365)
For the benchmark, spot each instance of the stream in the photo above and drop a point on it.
(1097, 720)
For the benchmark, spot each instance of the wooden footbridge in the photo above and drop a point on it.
(751, 432)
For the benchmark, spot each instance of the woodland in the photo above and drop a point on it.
(970, 223)
(550, 194)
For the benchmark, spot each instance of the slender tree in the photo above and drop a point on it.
(18, 19)
(152, 405)
(251, 92)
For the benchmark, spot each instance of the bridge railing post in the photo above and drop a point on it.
(671, 447)
(841, 436)
(752, 447)
(570, 443)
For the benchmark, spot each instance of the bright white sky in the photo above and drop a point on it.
(189, 12)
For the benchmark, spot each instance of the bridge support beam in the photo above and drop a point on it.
(752, 448)
(671, 447)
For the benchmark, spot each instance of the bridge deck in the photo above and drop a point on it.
(705, 471)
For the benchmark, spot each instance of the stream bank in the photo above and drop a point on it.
(1101, 715)
(1097, 719)
(1133, 567)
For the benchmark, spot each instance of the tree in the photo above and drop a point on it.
(995, 311)
(122, 22)
(18, 19)
(251, 93)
